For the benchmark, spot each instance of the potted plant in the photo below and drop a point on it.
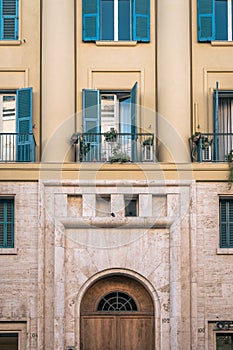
(110, 136)
(84, 147)
(118, 156)
(148, 141)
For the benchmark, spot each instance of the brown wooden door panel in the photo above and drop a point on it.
(135, 333)
(98, 333)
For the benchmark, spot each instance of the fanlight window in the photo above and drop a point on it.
(117, 302)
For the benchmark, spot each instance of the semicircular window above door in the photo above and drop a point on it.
(117, 301)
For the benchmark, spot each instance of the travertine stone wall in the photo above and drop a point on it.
(19, 266)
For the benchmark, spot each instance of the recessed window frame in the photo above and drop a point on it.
(7, 222)
(226, 222)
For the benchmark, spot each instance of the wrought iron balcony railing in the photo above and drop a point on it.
(211, 147)
(113, 147)
(17, 147)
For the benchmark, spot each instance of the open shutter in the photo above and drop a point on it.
(216, 125)
(141, 20)
(6, 223)
(91, 19)
(206, 20)
(25, 150)
(91, 123)
(134, 93)
(9, 19)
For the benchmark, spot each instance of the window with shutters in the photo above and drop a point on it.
(215, 20)
(226, 222)
(16, 138)
(8, 19)
(6, 223)
(116, 20)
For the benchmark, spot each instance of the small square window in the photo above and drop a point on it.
(224, 341)
(9, 341)
(131, 207)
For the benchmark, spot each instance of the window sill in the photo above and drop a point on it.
(10, 42)
(224, 251)
(116, 43)
(222, 43)
(8, 251)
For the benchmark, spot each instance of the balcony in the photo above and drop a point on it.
(17, 147)
(113, 147)
(211, 147)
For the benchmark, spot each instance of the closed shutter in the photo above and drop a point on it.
(25, 152)
(226, 223)
(205, 19)
(91, 19)
(91, 122)
(9, 19)
(141, 20)
(6, 223)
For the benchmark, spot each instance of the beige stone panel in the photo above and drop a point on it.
(13, 79)
(173, 80)
(57, 78)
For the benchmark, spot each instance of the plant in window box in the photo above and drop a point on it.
(110, 136)
(118, 156)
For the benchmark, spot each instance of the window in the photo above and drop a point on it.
(215, 20)
(131, 206)
(104, 111)
(223, 123)
(224, 341)
(8, 19)
(9, 341)
(6, 223)
(117, 302)
(116, 20)
(226, 222)
(16, 138)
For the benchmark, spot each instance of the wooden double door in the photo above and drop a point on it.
(117, 314)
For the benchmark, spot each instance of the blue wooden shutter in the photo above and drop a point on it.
(9, 19)
(206, 20)
(226, 223)
(141, 20)
(6, 223)
(134, 93)
(92, 122)
(91, 19)
(25, 149)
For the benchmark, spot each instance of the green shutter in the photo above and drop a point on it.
(141, 20)
(91, 18)
(92, 122)
(226, 223)
(206, 20)
(6, 223)
(8, 19)
(25, 149)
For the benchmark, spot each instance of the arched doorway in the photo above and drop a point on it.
(117, 313)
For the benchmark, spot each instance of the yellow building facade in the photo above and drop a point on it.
(115, 206)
